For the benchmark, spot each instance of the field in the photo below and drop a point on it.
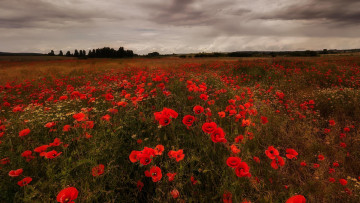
(180, 130)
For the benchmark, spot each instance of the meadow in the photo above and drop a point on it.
(281, 129)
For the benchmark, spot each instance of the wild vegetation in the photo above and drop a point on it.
(180, 130)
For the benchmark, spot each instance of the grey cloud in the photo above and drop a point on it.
(42, 13)
(341, 12)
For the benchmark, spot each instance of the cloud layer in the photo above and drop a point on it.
(178, 26)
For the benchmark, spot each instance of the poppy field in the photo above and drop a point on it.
(245, 130)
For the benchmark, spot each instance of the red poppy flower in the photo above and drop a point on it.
(278, 161)
(331, 122)
(98, 170)
(24, 181)
(234, 149)
(41, 149)
(52, 154)
(188, 120)
(321, 157)
(66, 128)
(159, 149)
(221, 114)
(256, 159)
(193, 181)
(28, 155)
(343, 182)
(296, 199)
(198, 109)
(227, 197)
(175, 193)
(67, 195)
(218, 135)
(233, 162)
(50, 124)
(134, 156)
(79, 116)
(178, 155)
(204, 97)
(139, 185)
(155, 173)
(291, 153)
(5, 161)
(271, 152)
(106, 117)
(209, 127)
(171, 176)
(264, 120)
(24, 132)
(144, 158)
(242, 170)
(56, 142)
(332, 180)
(15, 173)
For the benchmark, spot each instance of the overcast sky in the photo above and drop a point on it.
(179, 26)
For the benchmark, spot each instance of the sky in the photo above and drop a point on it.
(179, 26)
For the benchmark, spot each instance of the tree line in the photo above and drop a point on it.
(105, 52)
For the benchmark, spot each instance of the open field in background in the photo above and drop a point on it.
(180, 130)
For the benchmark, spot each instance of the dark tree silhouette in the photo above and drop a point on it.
(61, 53)
(76, 53)
(51, 53)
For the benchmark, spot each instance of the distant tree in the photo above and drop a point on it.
(61, 53)
(51, 53)
(68, 53)
(153, 54)
(76, 53)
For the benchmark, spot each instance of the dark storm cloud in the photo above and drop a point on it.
(42, 13)
(340, 12)
(178, 26)
(183, 12)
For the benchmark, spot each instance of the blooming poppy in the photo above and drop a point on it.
(233, 162)
(52, 154)
(209, 127)
(343, 182)
(218, 135)
(291, 153)
(155, 173)
(15, 173)
(67, 195)
(198, 109)
(188, 120)
(50, 124)
(66, 128)
(175, 193)
(79, 116)
(28, 155)
(24, 181)
(271, 152)
(264, 120)
(234, 149)
(159, 149)
(24, 132)
(134, 156)
(177, 155)
(242, 170)
(193, 181)
(278, 161)
(227, 197)
(171, 176)
(139, 185)
(98, 170)
(296, 199)
(56, 142)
